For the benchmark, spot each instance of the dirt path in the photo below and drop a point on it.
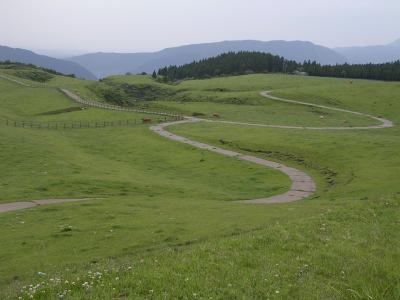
(95, 104)
(5, 207)
(5, 77)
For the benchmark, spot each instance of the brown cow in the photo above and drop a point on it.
(216, 115)
(146, 120)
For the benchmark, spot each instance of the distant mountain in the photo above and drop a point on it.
(371, 54)
(63, 66)
(396, 43)
(106, 64)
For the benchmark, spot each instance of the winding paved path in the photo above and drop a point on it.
(5, 207)
(302, 185)
(384, 122)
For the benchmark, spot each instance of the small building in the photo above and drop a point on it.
(299, 73)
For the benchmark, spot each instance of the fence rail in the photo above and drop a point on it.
(96, 104)
(85, 124)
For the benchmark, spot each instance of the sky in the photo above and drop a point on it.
(78, 26)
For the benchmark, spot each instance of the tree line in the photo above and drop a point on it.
(240, 63)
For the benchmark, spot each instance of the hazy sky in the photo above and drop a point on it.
(146, 25)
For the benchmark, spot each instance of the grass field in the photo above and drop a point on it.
(164, 223)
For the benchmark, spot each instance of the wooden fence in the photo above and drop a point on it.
(86, 124)
(96, 104)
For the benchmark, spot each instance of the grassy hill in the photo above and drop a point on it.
(164, 223)
(28, 57)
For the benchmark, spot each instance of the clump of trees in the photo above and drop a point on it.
(240, 63)
(231, 63)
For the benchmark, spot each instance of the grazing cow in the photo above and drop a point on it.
(351, 81)
(146, 120)
(216, 115)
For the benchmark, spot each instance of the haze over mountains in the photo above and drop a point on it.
(63, 66)
(99, 65)
(371, 54)
(105, 64)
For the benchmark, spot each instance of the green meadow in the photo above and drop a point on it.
(163, 222)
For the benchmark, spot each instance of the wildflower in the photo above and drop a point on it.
(276, 292)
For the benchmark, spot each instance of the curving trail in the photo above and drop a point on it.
(5, 207)
(5, 77)
(302, 184)
(267, 94)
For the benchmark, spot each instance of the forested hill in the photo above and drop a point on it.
(231, 63)
(239, 63)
